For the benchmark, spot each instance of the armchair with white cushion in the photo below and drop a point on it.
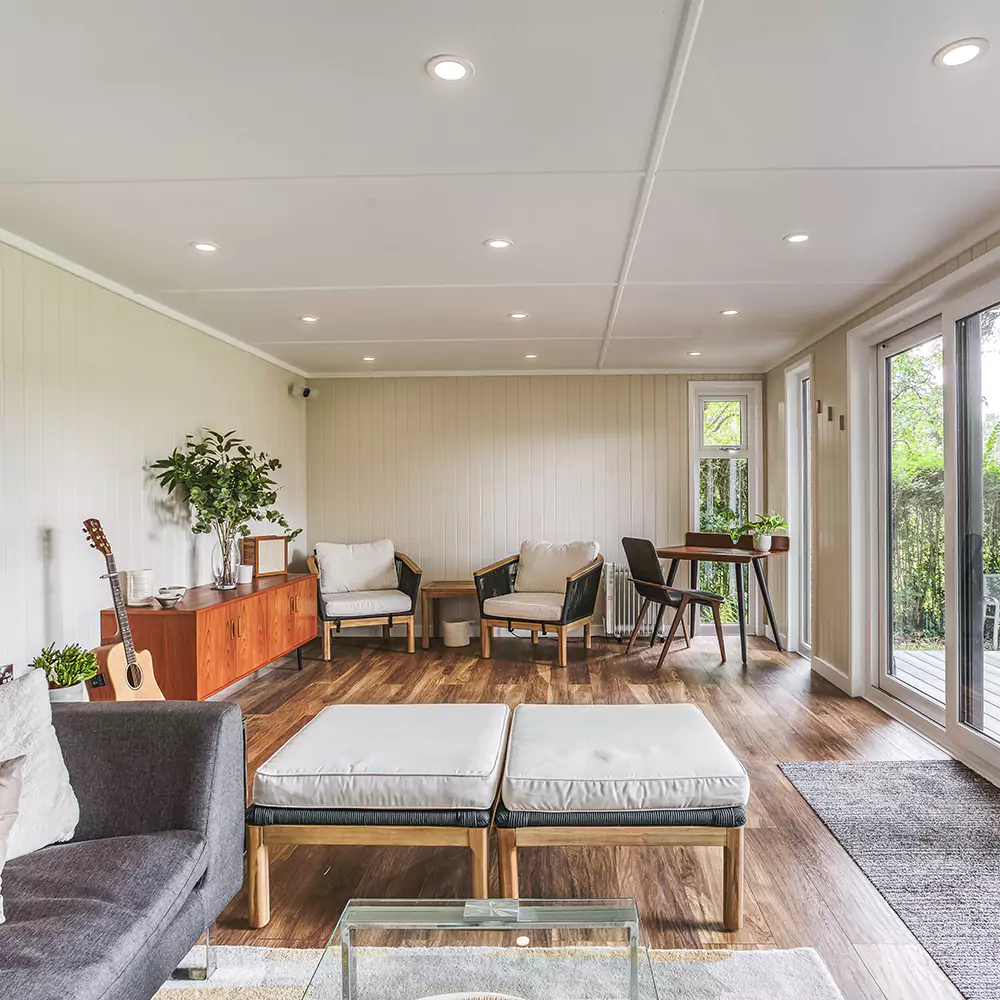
(545, 588)
(365, 584)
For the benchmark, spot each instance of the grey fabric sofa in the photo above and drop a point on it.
(156, 856)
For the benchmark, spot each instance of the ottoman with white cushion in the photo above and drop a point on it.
(617, 775)
(420, 775)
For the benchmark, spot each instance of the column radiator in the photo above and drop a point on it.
(622, 603)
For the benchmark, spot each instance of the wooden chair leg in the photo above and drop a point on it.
(258, 877)
(638, 625)
(479, 859)
(411, 636)
(386, 631)
(327, 628)
(507, 857)
(534, 637)
(684, 631)
(732, 880)
(685, 600)
(485, 633)
(587, 641)
(562, 646)
(718, 628)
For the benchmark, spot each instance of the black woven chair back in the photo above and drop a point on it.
(647, 574)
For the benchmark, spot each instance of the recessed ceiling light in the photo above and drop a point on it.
(497, 243)
(367, 359)
(205, 247)
(309, 319)
(451, 69)
(518, 315)
(796, 237)
(729, 312)
(962, 51)
(694, 354)
(531, 356)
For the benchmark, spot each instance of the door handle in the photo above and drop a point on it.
(231, 628)
(241, 625)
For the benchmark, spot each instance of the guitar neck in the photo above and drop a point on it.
(124, 630)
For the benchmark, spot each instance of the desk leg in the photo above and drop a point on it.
(694, 586)
(425, 621)
(740, 602)
(656, 627)
(672, 572)
(766, 594)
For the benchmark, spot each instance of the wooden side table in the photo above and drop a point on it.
(435, 591)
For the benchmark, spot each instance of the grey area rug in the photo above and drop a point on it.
(254, 973)
(927, 836)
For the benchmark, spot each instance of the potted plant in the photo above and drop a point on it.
(67, 669)
(227, 485)
(762, 527)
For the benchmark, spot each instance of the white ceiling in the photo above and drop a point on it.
(339, 180)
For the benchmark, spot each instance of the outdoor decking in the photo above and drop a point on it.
(923, 670)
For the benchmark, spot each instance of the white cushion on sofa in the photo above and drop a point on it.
(530, 607)
(48, 812)
(364, 566)
(389, 757)
(544, 566)
(579, 758)
(361, 603)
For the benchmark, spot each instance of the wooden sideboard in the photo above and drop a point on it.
(214, 637)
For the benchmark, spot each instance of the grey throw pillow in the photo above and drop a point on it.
(10, 796)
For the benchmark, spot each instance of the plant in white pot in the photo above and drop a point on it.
(227, 485)
(762, 527)
(68, 670)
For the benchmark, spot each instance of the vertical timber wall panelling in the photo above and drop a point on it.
(831, 478)
(93, 386)
(458, 471)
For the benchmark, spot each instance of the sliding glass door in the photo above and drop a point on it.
(912, 519)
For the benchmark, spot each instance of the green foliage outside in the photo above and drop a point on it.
(721, 423)
(66, 666)
(723, 491)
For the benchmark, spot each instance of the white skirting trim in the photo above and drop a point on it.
(833, 674)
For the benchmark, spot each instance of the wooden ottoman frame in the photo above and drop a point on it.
(730, 839)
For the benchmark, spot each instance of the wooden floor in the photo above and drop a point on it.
(802, 890)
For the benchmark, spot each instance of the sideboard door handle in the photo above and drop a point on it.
(241, 625)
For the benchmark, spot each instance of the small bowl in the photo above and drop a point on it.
(168, 600)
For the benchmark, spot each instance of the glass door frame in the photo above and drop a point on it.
(752, 449)
(886, 350)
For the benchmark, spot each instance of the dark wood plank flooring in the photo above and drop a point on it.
(802, 890)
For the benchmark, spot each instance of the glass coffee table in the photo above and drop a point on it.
(580, 949)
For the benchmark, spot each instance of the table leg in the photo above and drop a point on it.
(425, 621)
(656, 627)
(694, 586)
(740, 601)
(766, 594)
(672, 572)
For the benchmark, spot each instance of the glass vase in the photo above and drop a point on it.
(226, 563)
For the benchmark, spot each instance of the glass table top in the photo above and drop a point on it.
(531, 949)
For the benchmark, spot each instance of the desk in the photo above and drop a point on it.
(432, 592)
(702, 547)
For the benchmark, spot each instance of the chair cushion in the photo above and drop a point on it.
(389, 757)
(78, 914)
(366, 566)
(578, 758)
(544, 566)
(366, 603)
(526, 607)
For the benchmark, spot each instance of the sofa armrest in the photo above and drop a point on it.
(152, 766)
(581, 591)
(496, 580)
(408, 573)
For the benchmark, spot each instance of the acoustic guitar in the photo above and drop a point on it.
(123, 674)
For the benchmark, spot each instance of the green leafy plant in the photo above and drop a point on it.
(729, 521)
(766, 524)
(67, 666)
(226, 483)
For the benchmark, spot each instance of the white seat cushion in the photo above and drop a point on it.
(529, 607)
(580, 758)
(389, 757)
(367, 566)
(544, 566)
(364, 603)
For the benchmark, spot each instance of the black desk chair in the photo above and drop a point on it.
(647, 576)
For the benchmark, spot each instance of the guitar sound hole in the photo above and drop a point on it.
(134, 676)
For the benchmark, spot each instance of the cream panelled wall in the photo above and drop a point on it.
(92, 387)
(458, 471)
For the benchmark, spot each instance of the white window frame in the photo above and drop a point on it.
(798, 516)
(753, 449)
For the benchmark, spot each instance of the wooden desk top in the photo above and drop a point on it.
(450, 588)
(707, 553)
(203, 598)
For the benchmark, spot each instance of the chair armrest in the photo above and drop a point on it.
(496, 580)
(154, 766)
(581, 591)
(408, 573)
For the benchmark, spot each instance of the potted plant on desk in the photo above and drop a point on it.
(67, 669)
(762, 527)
